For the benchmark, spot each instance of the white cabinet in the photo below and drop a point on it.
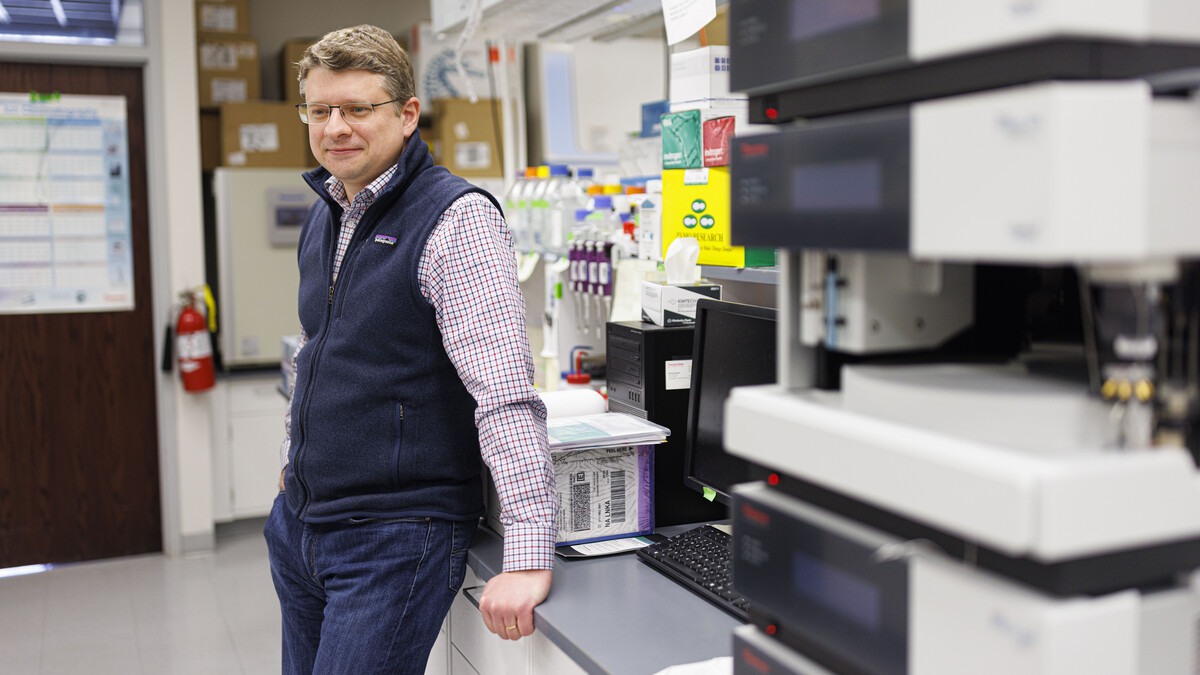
(487, 653)
(476, 651)
(248, 428)
(439, 657)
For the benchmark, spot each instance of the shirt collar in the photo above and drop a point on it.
(337, 189)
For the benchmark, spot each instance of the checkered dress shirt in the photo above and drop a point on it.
(467, 273)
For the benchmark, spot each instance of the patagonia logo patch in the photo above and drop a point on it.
(384, 239)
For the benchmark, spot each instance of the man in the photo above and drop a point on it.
(413, 365)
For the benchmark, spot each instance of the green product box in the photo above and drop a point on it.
(682, 140)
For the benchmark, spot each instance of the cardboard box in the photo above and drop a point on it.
(436, 74)
(717, 30)
(681, 140)
(666, 304)
(696, 204)
(717, 133)
(464, 137)
(222, 17)
(292, 52)
(227, 70)
(603, 493)
(263, 134)
(701, 74)
(210, 139)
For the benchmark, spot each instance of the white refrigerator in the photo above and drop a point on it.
(258, 217)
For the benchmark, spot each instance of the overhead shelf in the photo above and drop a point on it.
(754, 275)
(554, 20)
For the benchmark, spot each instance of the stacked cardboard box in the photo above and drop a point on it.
(237, 128)
(464, 137)
(227, 56)
(293, 51)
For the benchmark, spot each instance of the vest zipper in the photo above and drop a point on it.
(304, 404)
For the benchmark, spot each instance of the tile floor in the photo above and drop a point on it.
(196, 615)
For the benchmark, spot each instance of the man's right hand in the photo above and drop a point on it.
(281, 478)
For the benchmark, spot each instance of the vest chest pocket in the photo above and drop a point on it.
(373, 273)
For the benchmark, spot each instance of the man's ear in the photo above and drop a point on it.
(410, 114)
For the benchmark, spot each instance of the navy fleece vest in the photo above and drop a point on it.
(382, 426)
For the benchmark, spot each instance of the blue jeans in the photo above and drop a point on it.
(363, 595)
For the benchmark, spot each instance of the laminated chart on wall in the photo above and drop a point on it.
(65, 243)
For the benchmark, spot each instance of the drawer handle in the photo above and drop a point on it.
(467, 590)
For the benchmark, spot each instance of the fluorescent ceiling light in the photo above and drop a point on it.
(59, 14)
(21, 571)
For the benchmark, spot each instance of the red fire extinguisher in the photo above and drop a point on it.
(194, 347)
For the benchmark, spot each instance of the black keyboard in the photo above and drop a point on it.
(702, 560)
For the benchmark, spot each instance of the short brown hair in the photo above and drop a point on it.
(364, 47)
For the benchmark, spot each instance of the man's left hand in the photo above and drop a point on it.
(508, 600)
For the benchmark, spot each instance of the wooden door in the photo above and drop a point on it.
(79, 474)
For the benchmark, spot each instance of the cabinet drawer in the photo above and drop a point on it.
(488, 654)
(459, 664)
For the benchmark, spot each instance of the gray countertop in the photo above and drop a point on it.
(615, 615)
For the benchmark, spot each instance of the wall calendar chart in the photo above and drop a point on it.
(65, 243)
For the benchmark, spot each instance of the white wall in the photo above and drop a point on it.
(177, 212)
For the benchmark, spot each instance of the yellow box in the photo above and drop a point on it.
(696, 204)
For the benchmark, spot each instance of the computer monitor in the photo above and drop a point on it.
(734, 346)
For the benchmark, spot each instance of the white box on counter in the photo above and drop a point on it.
(666, 304)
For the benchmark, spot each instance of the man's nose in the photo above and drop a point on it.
(336, 118)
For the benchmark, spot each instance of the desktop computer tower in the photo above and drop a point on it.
(649, 376)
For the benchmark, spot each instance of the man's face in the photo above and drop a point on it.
(357, 153)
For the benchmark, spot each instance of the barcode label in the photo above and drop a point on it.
(618, 495)
(581, 507)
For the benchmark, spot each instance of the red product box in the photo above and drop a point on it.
(717, 133)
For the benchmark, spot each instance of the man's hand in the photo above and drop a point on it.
(281, 478)
(508, 600)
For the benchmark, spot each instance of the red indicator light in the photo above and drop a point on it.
(773, 479)
(772, 113)
(770, 629)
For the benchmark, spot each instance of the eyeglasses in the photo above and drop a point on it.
(353, 113)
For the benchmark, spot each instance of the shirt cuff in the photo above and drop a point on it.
(528, 547)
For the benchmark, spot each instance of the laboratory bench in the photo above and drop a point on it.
(610, 615)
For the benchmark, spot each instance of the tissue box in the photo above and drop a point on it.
(603, 493)
(696, 204)
(666, 304)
